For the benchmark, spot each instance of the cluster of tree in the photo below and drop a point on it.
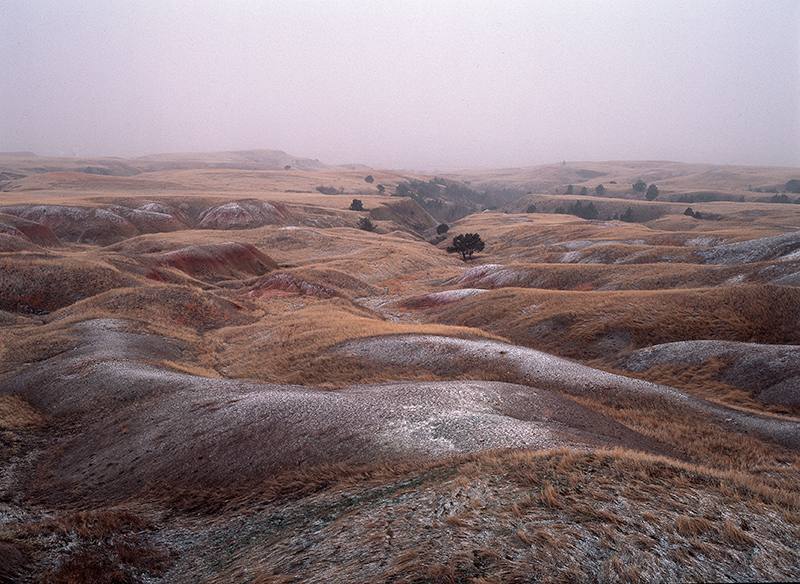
(783, 198)
(444, 200)
(651, 192)
(466, 244)
(580, 210)
(96, 170)
(583, 192)
(792, 186)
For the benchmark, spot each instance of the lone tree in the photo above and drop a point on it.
(442, 228)
(356, 205)
(639, 186)
(652, 193)
(466, 244)
(369, 178)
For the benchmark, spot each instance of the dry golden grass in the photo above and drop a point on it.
(292, 346)
(603, 277)
(703, 380)
(590, 325)
(106, 546)
(493, 528)
(17, 414)
(41, 283)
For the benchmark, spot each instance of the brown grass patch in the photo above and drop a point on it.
(39, 284)
(690, 526)
(587, 325)
(108, 545)
(703, 380)
(17, 414)
(291, 347)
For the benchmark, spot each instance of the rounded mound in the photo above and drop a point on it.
(769, 373)
(215, 262)
(165, 304)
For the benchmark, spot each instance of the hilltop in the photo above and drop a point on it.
(211, 371)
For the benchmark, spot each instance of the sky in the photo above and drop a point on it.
(412, 85)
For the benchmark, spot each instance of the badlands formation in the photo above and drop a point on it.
(253, 367)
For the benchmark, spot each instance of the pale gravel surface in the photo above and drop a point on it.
(546, 371)
(140, 422)
(775, 247)
(770, 372)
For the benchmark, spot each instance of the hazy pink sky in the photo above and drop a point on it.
(417, 85)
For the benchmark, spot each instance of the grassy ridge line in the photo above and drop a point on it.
(588, 325)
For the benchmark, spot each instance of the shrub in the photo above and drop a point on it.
(639, 186)
(369, 178)
(356, 205)
(652, 193)
(328, 190)
(365, 224)
(443, 228)
(531, 209)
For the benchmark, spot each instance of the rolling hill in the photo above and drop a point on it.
(210, 373)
